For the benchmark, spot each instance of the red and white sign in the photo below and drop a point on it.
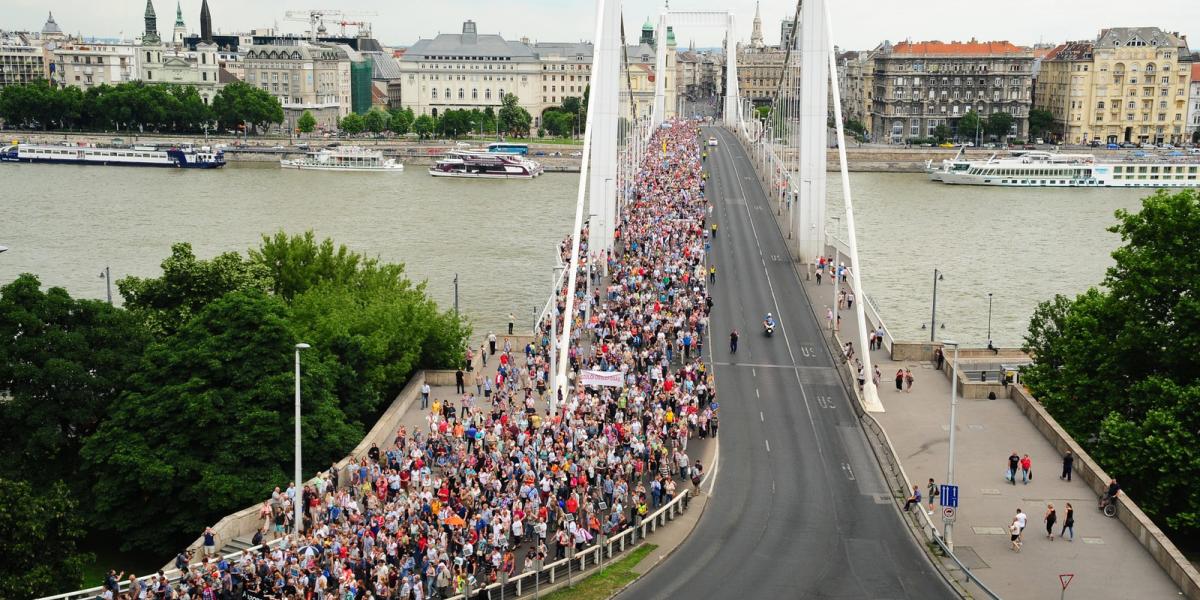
(1065, 579)
(604, 378)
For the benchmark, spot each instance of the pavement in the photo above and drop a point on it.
(799, 508)
(1105, 558)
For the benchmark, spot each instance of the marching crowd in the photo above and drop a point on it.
(495, 483)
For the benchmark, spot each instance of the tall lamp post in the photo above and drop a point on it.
(989, 338)
(948, 534)
(298, 497)
(937, 276)
(106, 275)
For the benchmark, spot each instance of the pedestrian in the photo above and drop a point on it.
(899, 380)
(1026, 469)
(483, 355)
(1068, 465)
(915, 498)
(877, 377)
(511, 320)
(820, 270)
(460, 383)
(712, 274)
(879, 338)
(491, 338)
(1022, 521)
(470, 359)
(932, 492)
(733, 339)
(1014, 535)
(479, 384)
(939, 357)
(908, 380)
(828, 317)
(1068, 524)
(210, 542)
(424, 395)
(1014, 462)
(1051, 518)
(849, 299)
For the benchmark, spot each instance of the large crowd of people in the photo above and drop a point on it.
(498, 482)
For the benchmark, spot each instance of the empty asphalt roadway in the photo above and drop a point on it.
(799, 507)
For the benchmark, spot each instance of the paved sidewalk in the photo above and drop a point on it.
(1108, 562)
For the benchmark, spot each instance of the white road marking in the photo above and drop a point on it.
(849, 471)
(756, 393)
(760, 417)
(711, 475)
(754, 372)
(768, 443)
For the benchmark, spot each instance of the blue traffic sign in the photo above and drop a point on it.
(949, 495)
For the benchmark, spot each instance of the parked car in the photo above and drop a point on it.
(945, 145)
(539, 153)
(1112, 146)
(576, 154)
(1128, 145)
(1167, 147)
(1029, 147)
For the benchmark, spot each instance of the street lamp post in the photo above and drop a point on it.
(298, 497)
(106, 275)
(837, 281)
(948, 535)
(989, 338)
(937, 276)
(456, 294)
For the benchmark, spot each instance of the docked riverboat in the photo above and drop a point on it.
(1047, 169)
(485, 165)
(345, 158)
(136, 156)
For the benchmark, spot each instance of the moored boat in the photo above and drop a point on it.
(1046, 169)
(485, 165)
(182, 157)
(345, 158)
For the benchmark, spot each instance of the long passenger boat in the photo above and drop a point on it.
(1047, 169)
(136, 156)
(485, 165)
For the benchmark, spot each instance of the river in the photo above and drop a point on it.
(66, 223)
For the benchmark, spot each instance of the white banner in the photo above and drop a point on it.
(604, 378)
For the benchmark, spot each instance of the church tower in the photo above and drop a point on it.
(205, 23)
(180, 30)
(150, 37)
(756, 38)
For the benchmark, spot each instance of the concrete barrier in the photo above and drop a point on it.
(1147, 533)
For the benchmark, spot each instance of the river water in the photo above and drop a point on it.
(65, 223)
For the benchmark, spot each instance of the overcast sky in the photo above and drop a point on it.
(858, 24)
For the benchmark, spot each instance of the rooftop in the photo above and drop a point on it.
(1138, 36)
(469, 44)
(968, 48)
(1071, 51)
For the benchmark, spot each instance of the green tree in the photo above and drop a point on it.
(61, 368)
(240, 102)
(306, 123)
(999, 124)
(423, 126)
(401, 121)
(968, 125)
(376, 120)
(42, 528)
(352, 123)
(514, 120)
(941, 133)
(205, 428)
(187, 284)
(297, 263)
(1040, 121)
(1119, 367)
(455, 123)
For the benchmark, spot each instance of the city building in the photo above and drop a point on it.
(468, 70)
(566, 73)
(180, 30)
(856, 74)
(761, 66)
(84, 65)
(641, 80)
(173, 63)
(1129, 85)
(386, 79)
(919, 86)
(304, 77)
(1193, 119)
(22, 60)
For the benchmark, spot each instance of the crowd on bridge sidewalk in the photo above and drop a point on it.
(494, 481)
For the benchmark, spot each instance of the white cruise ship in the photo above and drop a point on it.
(180, 157)
(345, 158)
(1046, 169)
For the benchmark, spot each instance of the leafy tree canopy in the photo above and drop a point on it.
(187, 284)
(205, 428)
(41, 534)
(62, 366)
(1119, 367)
(306, 123)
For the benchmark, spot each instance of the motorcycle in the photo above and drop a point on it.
(768, 329)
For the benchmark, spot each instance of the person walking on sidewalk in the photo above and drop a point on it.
(1068, 523)
(460, 383)
(1051, 518)
(1026, 469)
(491, 342)
(939, 357)
(1068, 465)
(1014, 463)
(1022, 521)
(908, 380)
(1014, 535)
(425, 395)
(899, 380)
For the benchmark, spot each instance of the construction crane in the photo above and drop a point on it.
(315, 17)
(364, 28)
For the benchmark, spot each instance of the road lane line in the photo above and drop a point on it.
(756, 393)
(768, 443)
(760, 417)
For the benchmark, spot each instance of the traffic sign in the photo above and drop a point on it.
(1065, 579)
(948, 514)
(949, 495)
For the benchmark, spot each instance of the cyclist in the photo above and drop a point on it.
(1111, 494)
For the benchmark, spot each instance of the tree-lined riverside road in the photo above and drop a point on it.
(799, 508)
